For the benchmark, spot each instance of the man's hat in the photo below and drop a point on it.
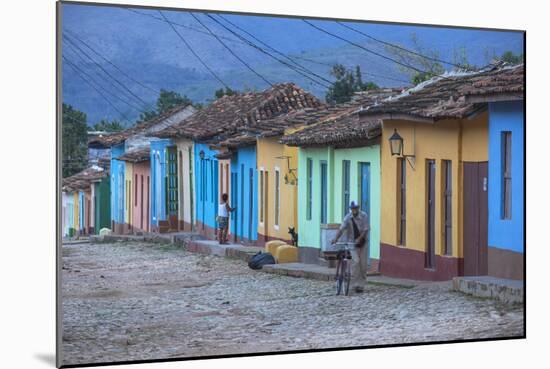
(353, 205)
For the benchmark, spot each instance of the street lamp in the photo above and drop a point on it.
(396, 148)
(396, 144)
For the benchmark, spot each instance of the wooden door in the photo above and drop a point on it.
(266, 205)
(430, 214)
(250, 202)
(141, 205)
(475, 218)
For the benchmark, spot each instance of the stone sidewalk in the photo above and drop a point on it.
(506, 291)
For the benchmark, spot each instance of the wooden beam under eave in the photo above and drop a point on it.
(494, 98)
(397, 116)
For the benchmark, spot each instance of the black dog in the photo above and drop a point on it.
(292, 232)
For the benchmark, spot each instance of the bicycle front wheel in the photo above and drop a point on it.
(346, 276)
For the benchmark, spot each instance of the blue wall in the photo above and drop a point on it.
(81, 219)
(117, 184)
(206, 185)
(158, 184)
(245, 218)
(506, 233)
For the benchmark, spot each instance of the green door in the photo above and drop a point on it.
(172, 182)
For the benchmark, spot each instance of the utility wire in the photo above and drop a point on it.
(193, 51)
(231, 51)
(79, 71)
(182, 25)
(109, 74)
(399, 47)
(111, 63)
(243, 41)
(125, 101)
(302, 72)
(296, 64)
(365, 49)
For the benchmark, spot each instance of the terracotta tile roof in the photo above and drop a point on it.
(137, 155)
(322, 113)
(509, 83)
(83, 179)
(229, 114)
(444, 97)
(141, 127)
(347, 130)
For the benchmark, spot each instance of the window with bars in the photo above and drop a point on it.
(135, 189)
(506, 196)
(448, 207)
(277, 200)
(401, 201)
(345, 186)
(309, 188)
(324, 192)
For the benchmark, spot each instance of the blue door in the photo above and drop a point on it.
(324, 192)
(364, 194)
(241, 234)
(234, 182)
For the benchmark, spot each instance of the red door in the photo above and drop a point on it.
(475, 218)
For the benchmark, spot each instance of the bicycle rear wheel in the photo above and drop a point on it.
(339, 276)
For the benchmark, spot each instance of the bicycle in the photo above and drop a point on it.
(343, 267)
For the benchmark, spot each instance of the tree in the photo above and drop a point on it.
(511, 58)
(74, 140)
(106, 126)
(221, 92)
(346, 84)
(422, 60)
(166, 101)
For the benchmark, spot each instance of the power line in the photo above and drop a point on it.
(127, 102)
(193, 51)
(78, 71)
(109, 74)
(182, 25)
(111, 63)
(303, 70)
(231, 51)
(399, 47)
(296, 65)
(364, 48)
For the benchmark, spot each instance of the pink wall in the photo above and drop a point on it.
(141, 200)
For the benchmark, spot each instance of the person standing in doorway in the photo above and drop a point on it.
(223, 219)
(355, 227)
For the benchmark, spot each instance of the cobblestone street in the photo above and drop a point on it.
(132, 301)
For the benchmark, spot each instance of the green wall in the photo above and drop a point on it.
(309, 230)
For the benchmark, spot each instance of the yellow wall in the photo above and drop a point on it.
(76, 212)
(186, 181)
(268, 149)
(455, 140)
(128, 192)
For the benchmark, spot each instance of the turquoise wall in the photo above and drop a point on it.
(309, 230)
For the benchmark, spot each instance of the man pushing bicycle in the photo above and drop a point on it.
(355, 227)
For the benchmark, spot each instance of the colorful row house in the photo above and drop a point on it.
(435, 161)
(134, 177)
(85, 198)
(504, 94)
(225, 155)
(338, 162)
